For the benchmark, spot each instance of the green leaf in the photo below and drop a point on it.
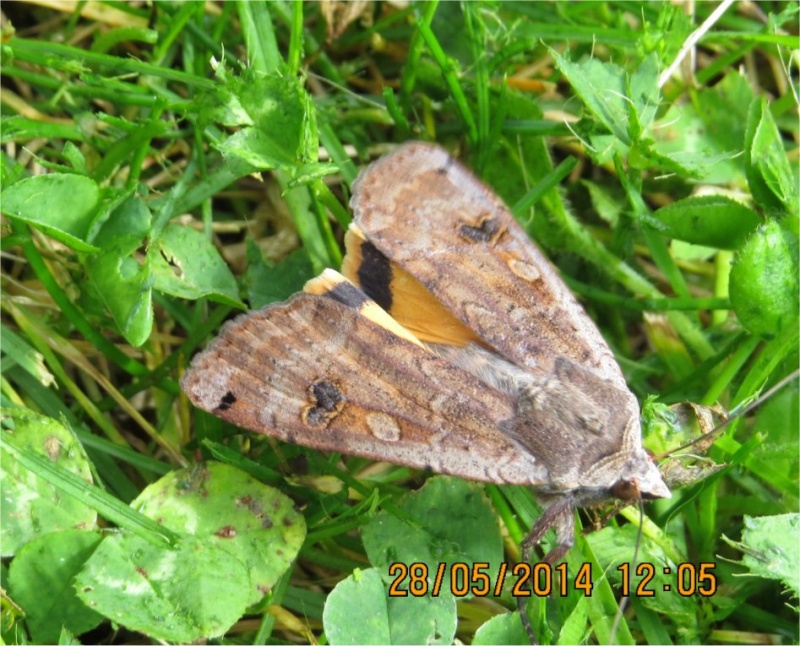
(764, 281)
(142, 587)
(269, 282)
(19, 128)
(32, 507)
(18, 351)
(253, 522)
(691, 163)
(713, 220)
(615, 545)
(307, 173)
(356, 611)
(574, 630)
(275, 106)
(61, 205)
(613, 96)
(644, 93)
(770, 548)
(239, 537)
(608, 203)
(501, 629)
(768, 160)
(776, 460)
(50, 564)
(359, 611)
(122, 277)
(431, 622)
(75, 157)
(601, 87)
(185, 264)
(705, 136)
(454, 523)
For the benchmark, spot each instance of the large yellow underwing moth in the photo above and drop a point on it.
(450, 344)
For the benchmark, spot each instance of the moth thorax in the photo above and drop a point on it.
(563, 402)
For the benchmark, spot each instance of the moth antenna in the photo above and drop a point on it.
(623, 604)
(736, 414)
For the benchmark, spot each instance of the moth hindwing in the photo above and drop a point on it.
(451, 344)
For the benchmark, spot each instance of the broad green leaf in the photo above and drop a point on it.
(771, 549)
(32, 507)
(768, 158)
(691, 163)
(61, 205)
(356, 611)
(713, 220)
(501, 629)
(454, 523)
(271, 282)
(601, 86)
(253, 522)
(239, 537)
(615, 546)
(359, 611)
(764, 281)
(50, 563)
(644, 93)
(624, 104)
(275, 106)
(682, 137)
(722, 109)
(185, 264)
(123, 278)
(417, 620)
(705, 137)
(256, 148)
(197, 590)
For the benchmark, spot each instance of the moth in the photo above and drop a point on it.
(448, 343)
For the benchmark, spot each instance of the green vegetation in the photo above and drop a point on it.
(169, 164)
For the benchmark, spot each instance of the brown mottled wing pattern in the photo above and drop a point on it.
(316, 372)
(433, 218)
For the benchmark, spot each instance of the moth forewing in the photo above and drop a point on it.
(317, 371)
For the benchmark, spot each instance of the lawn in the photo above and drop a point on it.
(168, 166)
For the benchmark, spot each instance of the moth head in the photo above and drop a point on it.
(639, 479)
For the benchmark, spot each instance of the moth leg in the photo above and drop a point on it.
(559, 516)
